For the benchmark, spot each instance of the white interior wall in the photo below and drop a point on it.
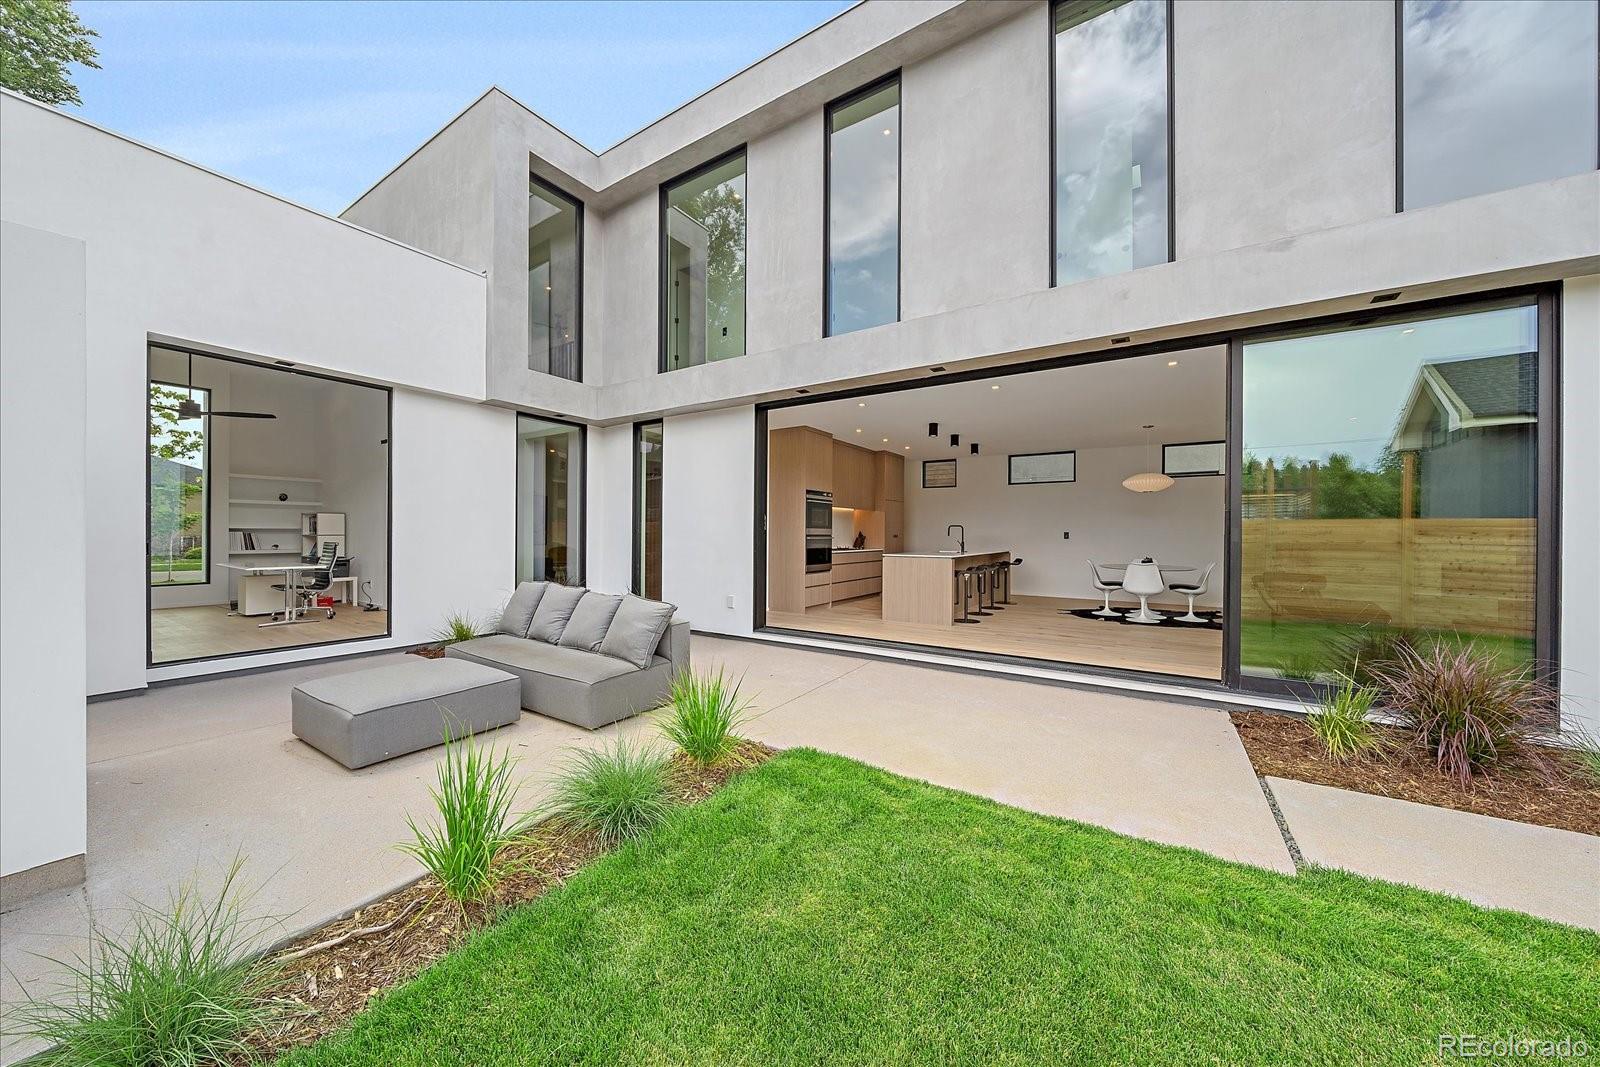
(43, 784)
(1183, 524)
(1580, 503)
(354, 467)
(707, 505)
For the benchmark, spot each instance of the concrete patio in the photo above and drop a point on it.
(182, 779)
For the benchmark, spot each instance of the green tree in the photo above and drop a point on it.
(181, 441)
(39, 39)
(720, 210)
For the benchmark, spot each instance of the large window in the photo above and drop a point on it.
(647, 457)
(1112, 172)
(555, 287)
(702, 265)
(863, 283)
(550, 466)
(1390, 486)
(1496, 94)
(179, 540)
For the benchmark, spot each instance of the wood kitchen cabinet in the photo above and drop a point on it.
(798, 458)
(890, 471)
(855, 477)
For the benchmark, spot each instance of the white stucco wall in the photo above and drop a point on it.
(1580, 502)
(707, 514)
(43, 809)
(181, 253)
(610, 518)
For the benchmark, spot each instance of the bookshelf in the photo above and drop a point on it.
(262, 526)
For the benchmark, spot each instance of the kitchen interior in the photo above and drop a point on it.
(1074, 515)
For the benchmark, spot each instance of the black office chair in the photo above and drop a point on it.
(320, 579)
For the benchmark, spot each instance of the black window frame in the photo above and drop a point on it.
(581, 536)
(1172, 125)
(1073, 452)
(854, 96)
(637, 579)
(1400, 111)
(663, 309)
(205, 475)
(563, 195)
(1220, 472)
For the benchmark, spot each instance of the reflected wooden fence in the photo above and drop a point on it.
(1471, 575)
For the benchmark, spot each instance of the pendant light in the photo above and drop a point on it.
(1150, 481)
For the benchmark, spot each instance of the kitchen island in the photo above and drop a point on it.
(920, 587)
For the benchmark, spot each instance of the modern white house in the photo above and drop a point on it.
(920, 336)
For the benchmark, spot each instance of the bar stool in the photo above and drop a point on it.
(979, 572)
(964, 594)
(1005, 576)
(991, 576)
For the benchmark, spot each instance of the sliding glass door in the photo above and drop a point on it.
(647, 465)
(1390, 487)
(550, 472)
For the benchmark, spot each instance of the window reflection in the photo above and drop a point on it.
(864, 211)
(704, 271)
(1390, 488)
(549, 501)
(1111, 169)
(1497, 94)
(554, 268)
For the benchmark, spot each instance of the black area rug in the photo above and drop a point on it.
(1213, 619)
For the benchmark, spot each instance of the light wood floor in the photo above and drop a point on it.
(208, 630)
(1031, 627)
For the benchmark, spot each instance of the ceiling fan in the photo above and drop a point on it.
(189, 407)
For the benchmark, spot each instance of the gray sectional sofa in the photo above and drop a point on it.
(581, 656)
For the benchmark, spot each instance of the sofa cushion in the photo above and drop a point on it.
(518, 613)
(589, 622)
(555, 608)
(515, 654)
(636, 629)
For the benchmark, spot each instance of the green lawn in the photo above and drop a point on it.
(819, 911)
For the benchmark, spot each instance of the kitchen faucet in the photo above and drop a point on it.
(962, 540)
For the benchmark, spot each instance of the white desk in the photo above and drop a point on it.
(292, 611)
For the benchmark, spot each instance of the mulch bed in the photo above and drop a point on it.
(329, 975)
(1560, 793)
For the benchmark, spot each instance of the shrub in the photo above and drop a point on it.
(475, 824)
(705, 709)
(1360, 652)
(1302, 666)
(197, 552)
(1464, 705)
(179, 987)
(616, 792)
(1586, 746)
(1340, 722)
(457, 627)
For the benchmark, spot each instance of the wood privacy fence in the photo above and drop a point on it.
(1470, 575)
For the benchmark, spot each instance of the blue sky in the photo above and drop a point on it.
(316, 101)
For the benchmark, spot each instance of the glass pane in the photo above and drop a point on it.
(549, 501)
(1390, 485)
(864, 212)
(1111, 138)
(705, 266)
(553, 272)
(647, 532)
(178, 549)
(1498, 93)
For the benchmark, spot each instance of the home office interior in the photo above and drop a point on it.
(1075, 514)
(268, 507)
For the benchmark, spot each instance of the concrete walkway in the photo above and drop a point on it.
(184, 778)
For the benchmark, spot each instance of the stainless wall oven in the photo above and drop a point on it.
(819, 530)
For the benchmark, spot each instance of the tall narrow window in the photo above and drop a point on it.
(1497, 93)
(1390, 490)
(555, 286)
(1112, 174)
(179, 540)
(864, 209)
(550, 466)
(647, 457)
(702, 268)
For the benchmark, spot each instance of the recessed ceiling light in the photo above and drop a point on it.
(1172, 363)
(861, 403)
(1409, 329)
(908, 448)
(994, 387)
(858, 429)
(887, 132)
(936, 370)
(1120, 340)
(1384, 298)
(885, 440)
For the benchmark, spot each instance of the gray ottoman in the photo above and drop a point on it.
(372, 715)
